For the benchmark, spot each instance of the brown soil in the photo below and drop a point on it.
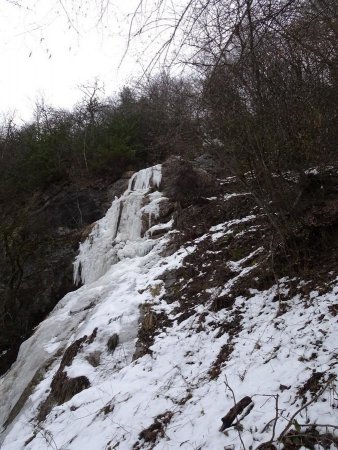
(154, 431)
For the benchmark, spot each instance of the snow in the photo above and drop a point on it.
(269, 351)
(118, 235)
(236, 194)
(264, 357)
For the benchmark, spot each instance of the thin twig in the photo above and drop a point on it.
(322, 425)
(275, 421)
(316, 397)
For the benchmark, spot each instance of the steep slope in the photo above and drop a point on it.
(39, 235)
(174, 330)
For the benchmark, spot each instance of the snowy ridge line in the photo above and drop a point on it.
(118, 235)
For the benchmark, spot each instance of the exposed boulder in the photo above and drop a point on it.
(113, 342)
(186, 184)
(63, 388)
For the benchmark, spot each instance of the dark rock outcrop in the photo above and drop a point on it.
(113, 342)
(62, 387)
(184, 183)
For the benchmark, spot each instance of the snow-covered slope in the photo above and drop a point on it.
(212, 335)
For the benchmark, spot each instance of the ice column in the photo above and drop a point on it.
(118, 234)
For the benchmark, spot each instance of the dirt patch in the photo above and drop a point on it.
(62, 387)
(222, 357)
(309, 438)
(334, 309)
(232, 327)
(156, 430)
(312, 385)
(150, 324)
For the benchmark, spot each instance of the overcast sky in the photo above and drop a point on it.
(44, 54)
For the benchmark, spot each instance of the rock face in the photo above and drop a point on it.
(38, 245)
(185, 183)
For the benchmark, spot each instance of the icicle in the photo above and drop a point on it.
(118, 235)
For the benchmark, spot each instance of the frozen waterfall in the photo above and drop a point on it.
(122, 232)
(107, 302)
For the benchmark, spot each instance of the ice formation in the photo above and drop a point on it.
(118, 235)
(109, 298)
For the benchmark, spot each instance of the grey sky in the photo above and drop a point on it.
(43, 54)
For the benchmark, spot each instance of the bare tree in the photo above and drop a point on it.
(7, 130)
(270, 71)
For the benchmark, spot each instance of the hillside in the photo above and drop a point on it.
(192, 328)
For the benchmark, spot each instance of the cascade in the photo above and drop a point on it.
(118, 235)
